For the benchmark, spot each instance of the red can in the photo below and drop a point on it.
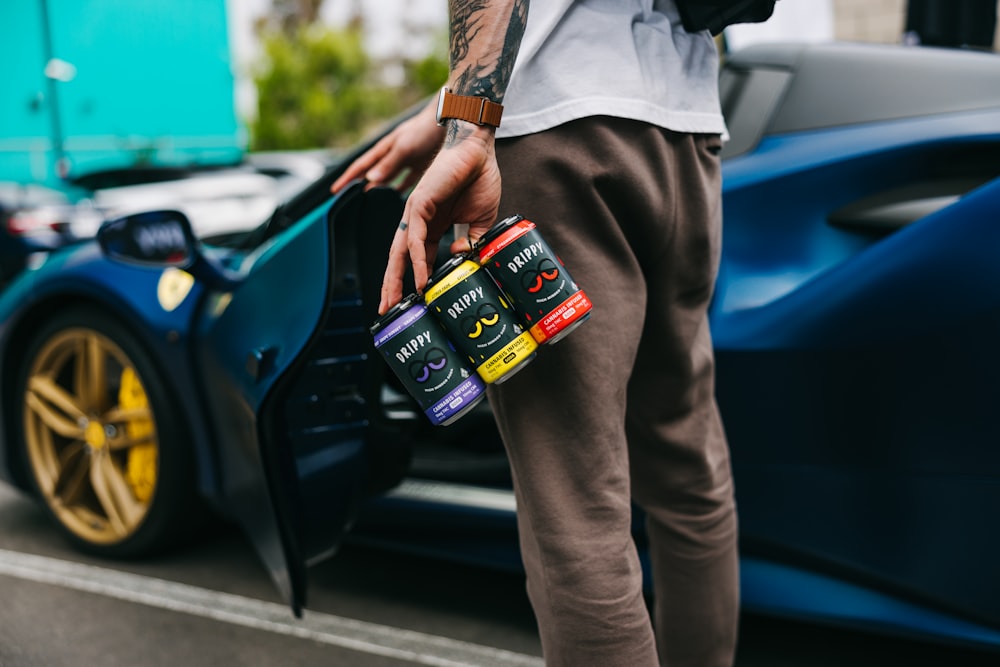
(533, 277)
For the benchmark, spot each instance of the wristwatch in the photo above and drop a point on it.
(478, 110)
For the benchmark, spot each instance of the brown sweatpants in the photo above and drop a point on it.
(623, 408)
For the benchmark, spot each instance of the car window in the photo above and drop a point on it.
(749, 98)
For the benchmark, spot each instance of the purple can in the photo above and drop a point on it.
(420, 354)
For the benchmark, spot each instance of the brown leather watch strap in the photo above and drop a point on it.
(478, 110)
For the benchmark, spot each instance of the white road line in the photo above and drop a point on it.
(347, 633)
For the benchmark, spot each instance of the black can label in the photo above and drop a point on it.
(424, 360)
(479, 320)
(535, 280)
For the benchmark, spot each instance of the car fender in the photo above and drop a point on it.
(158, 305)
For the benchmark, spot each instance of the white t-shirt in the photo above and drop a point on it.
(622, 58)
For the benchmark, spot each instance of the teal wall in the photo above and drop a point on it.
(154, 84)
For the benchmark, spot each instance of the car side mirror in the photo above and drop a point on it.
(153, 238)
(162, 239)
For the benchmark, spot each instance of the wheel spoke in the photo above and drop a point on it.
(117, 501)
(91, 370)
(59, 423)
(47, 388)
(75, 466)
(117, 414)
(69, 452)
(123, 441)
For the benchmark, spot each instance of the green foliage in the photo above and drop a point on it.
(317, 87)
(429, 73)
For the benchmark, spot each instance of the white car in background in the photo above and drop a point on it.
(35, 219)
(216, 202)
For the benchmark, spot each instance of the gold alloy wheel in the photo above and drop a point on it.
(90, 436)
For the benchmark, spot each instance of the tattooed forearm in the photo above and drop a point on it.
(464, 26)
(511, 45)
(484, 45)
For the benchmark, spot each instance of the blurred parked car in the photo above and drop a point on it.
(855, 323)
(215, 201)
(36, 219)
(293, 170)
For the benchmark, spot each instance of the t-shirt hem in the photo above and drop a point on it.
(698, 122)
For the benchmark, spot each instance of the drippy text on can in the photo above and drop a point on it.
(478, 319)
(533, 277)
(418, 351)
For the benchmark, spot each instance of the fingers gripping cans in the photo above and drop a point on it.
(544, 295)
(479, 319)
(469, 329)
(418, 351)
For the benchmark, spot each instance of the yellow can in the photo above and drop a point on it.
(479, 320)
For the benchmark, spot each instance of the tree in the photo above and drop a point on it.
(317, 86)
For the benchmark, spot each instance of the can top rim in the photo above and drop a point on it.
(496, 230)
(394, 312)
(450, 265)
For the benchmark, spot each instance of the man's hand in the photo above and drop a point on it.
(461, 186)
(405, 152)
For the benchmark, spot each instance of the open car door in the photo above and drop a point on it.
(293, 381)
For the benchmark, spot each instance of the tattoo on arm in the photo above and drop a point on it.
(455, 131)
(464, 26)
(483, 77)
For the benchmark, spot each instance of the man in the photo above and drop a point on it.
(609, 142)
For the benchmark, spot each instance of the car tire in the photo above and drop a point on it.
(103, 441)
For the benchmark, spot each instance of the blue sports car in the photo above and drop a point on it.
(145, 375)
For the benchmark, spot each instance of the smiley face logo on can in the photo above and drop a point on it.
(426, 369)
(485, 321)
(544, 280)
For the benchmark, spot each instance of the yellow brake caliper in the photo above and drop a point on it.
(140, 470)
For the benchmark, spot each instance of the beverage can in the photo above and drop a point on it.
(430, 368)
(480, 321)
(533, 277)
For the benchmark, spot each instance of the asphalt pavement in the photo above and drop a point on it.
(211, 603)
